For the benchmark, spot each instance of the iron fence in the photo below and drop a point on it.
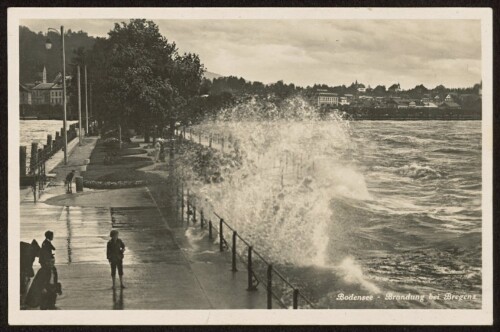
(251, 257)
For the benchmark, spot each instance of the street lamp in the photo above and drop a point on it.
(48, 46)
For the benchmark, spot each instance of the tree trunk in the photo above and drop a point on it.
(146, 133)
(120, 135)
(171, 128)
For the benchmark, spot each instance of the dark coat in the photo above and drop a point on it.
(114, 250)
(46, 252)
(28, 254)
(42, 281)
(69, 177)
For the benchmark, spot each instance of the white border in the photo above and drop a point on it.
(482, 316)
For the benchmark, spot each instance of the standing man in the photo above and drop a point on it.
(68, 181)
(114, 253)
(46, 251)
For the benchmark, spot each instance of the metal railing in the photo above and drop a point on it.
(189, 211)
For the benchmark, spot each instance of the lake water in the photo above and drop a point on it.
(377, 208)
(37, 131)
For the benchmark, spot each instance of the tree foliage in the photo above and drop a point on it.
(140, 79)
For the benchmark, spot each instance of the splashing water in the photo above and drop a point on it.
(356, 207)
(293, 165)
(353, 274)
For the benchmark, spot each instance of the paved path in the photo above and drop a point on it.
(163, 268)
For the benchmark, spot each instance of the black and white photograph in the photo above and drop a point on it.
(221, 166)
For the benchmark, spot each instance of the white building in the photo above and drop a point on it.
(325, 97)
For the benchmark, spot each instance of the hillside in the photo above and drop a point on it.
(33, 55)
(210, 76)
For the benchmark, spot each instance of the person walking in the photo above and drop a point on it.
(68, 181)
(46, 253)
(114, 253)
(157, 150)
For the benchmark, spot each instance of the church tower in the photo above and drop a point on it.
(44, 75)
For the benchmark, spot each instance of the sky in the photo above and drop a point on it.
(333, 52)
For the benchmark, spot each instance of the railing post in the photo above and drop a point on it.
(295, 298)
(187, 206)
(22, 160)
(182, 202)
(270, 286)
(221, 235)
(210, 229)
(234, 269)
(251, 286)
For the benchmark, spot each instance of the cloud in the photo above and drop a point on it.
(325, 51)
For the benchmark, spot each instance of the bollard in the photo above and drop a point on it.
(234, 269)
(221, 235)
(202, 219)
(251, 286)
(33, 187)
(270, 286)
(49, 143)
(22, 160)
(33, 157)
(40, 170)
(210, 229)
(295, 298)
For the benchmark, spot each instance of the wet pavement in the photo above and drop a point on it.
(163, 267)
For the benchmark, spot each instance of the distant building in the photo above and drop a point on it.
(325, 97)
(429, 104)
(343, 101)
(349, 97)
(449, 105)
(398, 103)
(49, 93)
(24, 95)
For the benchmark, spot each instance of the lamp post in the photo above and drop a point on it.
(48, 45)
(79, 108)
(86, 105)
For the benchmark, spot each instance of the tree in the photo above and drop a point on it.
(141, 80)
(379, 90)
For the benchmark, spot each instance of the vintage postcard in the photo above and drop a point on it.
(250, 166)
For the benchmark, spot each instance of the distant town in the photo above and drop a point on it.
(41, 90)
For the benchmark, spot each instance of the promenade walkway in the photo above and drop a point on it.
(164, 268)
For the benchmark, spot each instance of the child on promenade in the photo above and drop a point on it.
(114, 253)
(68, 181)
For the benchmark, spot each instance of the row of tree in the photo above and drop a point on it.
(139, 79)
(238, 86)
